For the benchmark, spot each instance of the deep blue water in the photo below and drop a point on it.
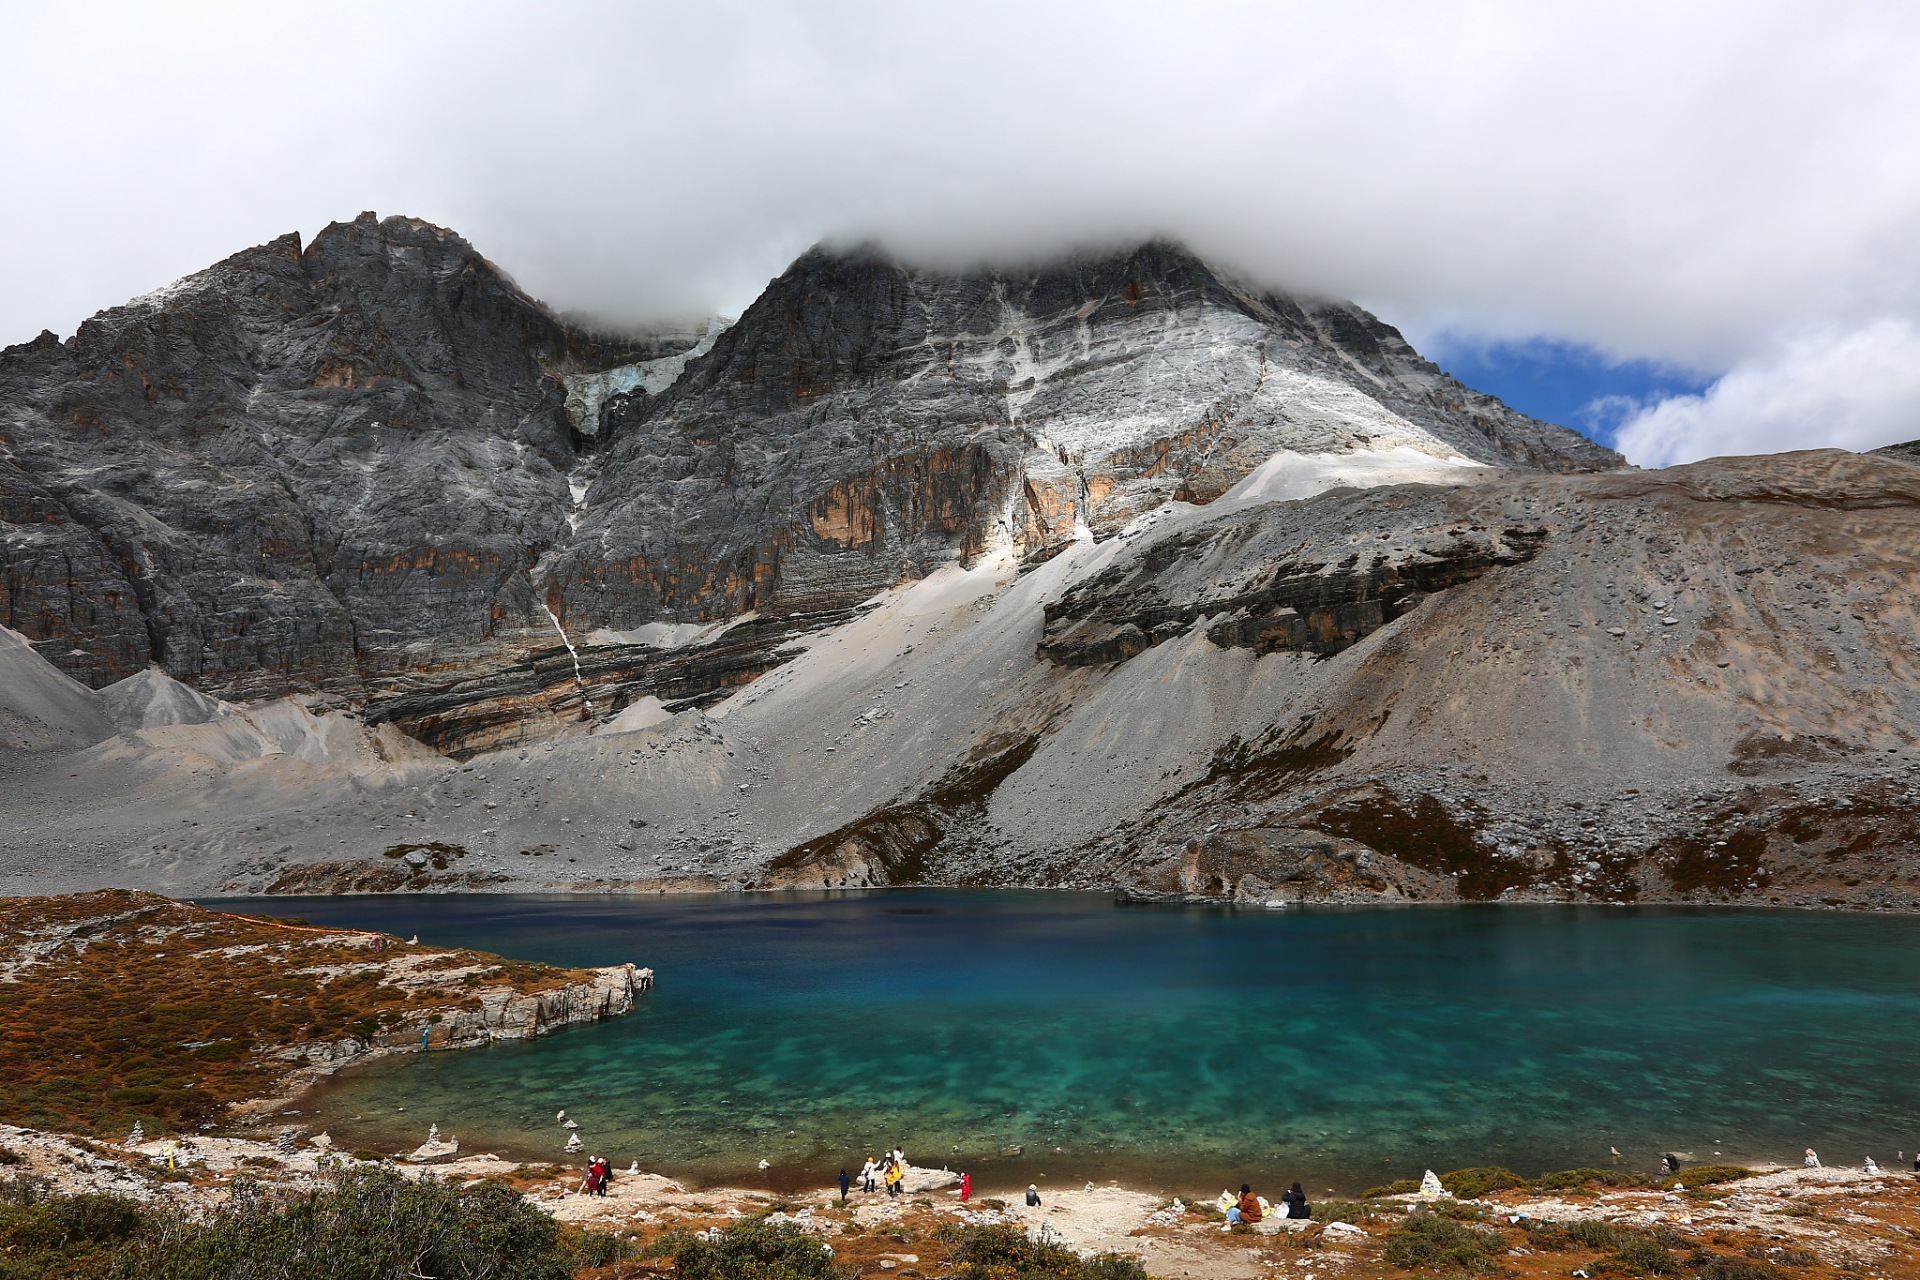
(1182, 1048)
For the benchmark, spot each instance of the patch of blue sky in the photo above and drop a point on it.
(1566, 382)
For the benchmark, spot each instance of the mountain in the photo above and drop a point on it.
(1108, 572)
(373, 468)
(307, 469)
(865, 422)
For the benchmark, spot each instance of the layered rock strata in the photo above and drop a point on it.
(370, 466)
(309, 467)
(948, 414)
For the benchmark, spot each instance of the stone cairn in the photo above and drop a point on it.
(573, 1143)
(138, 1136)
(285, 1144)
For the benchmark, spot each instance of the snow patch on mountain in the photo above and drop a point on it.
(588, 393)
(1290, 476)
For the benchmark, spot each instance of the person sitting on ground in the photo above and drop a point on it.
(1033, 1196)
(1296, 1201)
(1249, 1205)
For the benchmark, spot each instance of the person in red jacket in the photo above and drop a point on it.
(966, 1187)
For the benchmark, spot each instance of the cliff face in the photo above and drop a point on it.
(372, 467)
(864, 423)
(301, 469)
(1111, 572)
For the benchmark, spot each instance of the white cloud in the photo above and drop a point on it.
(1681, 183)
(1853, 390)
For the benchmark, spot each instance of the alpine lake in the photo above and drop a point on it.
(1058, 1038)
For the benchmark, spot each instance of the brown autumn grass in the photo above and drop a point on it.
(117, 1005)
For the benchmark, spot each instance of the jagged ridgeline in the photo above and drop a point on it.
(372, 467)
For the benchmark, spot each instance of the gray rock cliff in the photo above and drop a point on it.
(305, 468)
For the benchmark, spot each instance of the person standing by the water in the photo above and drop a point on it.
(1296, 1201)
(1033, 1196)
(893, 1179)
(966, 1187)
(846, 1181)
(867, 1173)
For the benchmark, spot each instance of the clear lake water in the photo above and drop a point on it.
(1182, 1049)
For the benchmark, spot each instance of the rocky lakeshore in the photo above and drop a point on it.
(1710, 1223)
(127, 1009)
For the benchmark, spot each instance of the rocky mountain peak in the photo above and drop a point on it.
(371, 464)
(867, 420)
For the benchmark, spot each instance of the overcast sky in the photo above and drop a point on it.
(1725, 193)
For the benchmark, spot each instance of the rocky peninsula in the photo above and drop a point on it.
(124, 1008)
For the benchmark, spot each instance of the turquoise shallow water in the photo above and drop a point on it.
(1178, 1048)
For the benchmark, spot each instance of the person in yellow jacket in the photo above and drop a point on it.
(894, 1174)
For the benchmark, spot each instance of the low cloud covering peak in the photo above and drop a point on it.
(1728, 188)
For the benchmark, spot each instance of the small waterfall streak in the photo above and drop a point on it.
(578, 681)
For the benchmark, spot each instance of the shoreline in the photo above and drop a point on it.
(1119, 896)
(1789, 1217)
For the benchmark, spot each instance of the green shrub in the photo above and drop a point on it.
(67, 1236)
(1643, 1256)
(369, 1224)
(1568, 1179)
(1429, 1240)
(1702, 1175)
(1007, 1253)
(596, 1248)
(1597, 1235)
(1347, 1211)
(753, 1250)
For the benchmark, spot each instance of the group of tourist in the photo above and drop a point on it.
(1249, 1208)
(890, 1168)
(598, 1177)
